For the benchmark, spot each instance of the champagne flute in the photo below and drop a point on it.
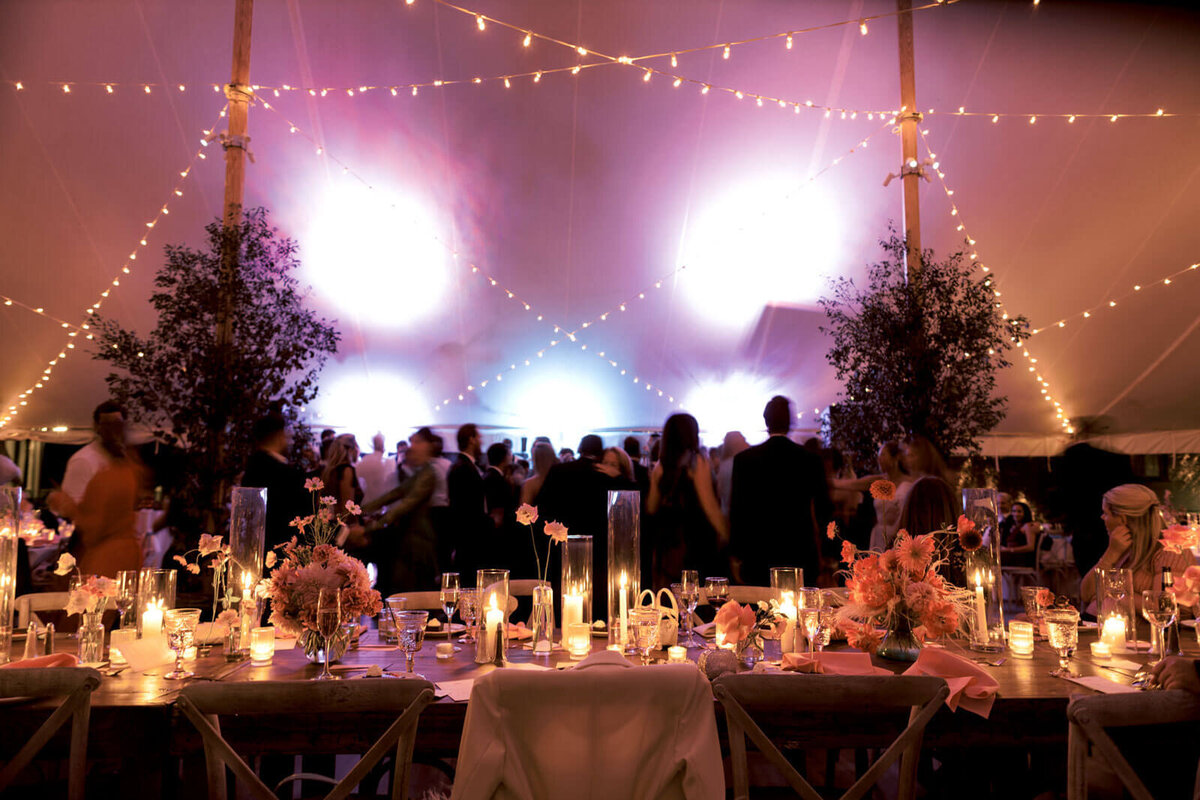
(127, 586)
(718, 591)
(1062, 629)
(1160, 610)
(410, 633)
(689, 593)
(181, 633)
(810, 614)
(450, 599)
(468, 605)
(329, 619)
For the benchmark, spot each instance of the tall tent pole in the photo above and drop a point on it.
(238, 93)
(910, 118)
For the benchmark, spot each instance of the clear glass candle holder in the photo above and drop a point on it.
(491, 646)
(577, 581)
(624, 563)
(982, 571)
(262, 645)
(577, 637)
(156, 596)
(1020, 638)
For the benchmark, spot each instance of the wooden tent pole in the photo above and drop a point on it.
(910, 119)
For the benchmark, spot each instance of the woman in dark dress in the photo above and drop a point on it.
(690, 532)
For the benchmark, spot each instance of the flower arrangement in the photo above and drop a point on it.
(743, 627)
(211, 548)
(91, 594)
(900, 590)
(1178, 538)
(527, 515)
(1187, 587)
(314, 564)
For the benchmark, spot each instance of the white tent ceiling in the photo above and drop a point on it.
(578, 192)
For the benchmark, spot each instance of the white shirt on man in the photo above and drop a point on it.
(82, 466)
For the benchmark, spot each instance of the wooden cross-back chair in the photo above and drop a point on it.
(1091, 717)
(204, 705)
(75, 687)
(829, 712)
(28, 605)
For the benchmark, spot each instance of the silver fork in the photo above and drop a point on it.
(991, 663)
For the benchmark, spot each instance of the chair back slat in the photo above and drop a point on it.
(793, 698)
(27, 604)
(75, 687)
(205, 704)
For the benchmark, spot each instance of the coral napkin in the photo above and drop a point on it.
(832, 664)
(970, 686)
(56, 660)
(519, 631)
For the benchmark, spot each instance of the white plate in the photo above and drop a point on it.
(455, 627)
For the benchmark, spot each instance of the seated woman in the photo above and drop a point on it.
(1134, 522)
(1020, 538)
(929, 507)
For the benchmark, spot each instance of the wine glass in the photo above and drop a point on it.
(1160, 610)
(450, 599)
(689, 594)
(809, 609)
(127, 586)
(180, 624)
(468, 609)
(718, 591)
(329, 619)
(410, 633)
(645, 630)
(1062, 629)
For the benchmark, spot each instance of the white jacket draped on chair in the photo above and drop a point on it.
(606, 729)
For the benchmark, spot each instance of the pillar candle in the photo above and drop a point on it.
(152, 621)
(981, 626)
(787, 642)
(624, 612)
(493, 624)
(572, 609)
(1113, 632)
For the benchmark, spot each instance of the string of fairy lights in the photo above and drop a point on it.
(1062, 416)
(84, 328)
(1137, 289)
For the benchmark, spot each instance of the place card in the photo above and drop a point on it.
(1103, 685)
(458, 691)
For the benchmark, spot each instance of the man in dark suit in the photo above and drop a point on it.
(779, 501)
(467, 515)
(576, 494)
(268, 468)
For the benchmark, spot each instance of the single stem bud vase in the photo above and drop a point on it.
(91, 638)
(541, 620)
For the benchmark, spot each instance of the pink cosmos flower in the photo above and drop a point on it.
(353, 507)
(209, 544)
(556, 531)
(182, 561)
(314, 484)
(329, 500)
(915, 553)
(325, 515)
(194, 569)
(270, 559)
(1178, 538)
(1187, 587)
(527, 514)
(735, 622)
(228, 617)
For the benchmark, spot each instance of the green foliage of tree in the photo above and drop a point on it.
(917, 355)
(194, 394)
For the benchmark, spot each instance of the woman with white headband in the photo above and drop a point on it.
(1134, 522)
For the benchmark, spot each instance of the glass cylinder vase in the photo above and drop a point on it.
(91, 638)
(541, 620)
(247, 536)
(982, 572)
(624, 563)
(156, 594)
(1115, 609)
(10, 521)
(491, 646)
(577, 581)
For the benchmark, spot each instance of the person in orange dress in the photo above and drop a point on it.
(99, 494)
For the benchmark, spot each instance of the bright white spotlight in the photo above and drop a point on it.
(374, 254)
(557, 405)
(362, 405)
(732, 403)
(763, 241)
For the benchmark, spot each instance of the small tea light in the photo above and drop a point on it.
(1101, 651)
(115, 640)
(578, 639)
(445, 650)
(1020, 638)
(262, 645)
(677, 655)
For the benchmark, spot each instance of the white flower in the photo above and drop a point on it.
(77, 601)
(271, 559)
(527, 514)
(66, 563)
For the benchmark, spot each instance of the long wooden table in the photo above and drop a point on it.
(133, 718)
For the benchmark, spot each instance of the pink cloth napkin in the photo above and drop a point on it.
(519, 631)
(56, 660)
(970, 686)
(832, 664)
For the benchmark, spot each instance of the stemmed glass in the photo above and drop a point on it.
(689, 594)
(450, 598)
(1062, 629)
(127, 586)
(718, 591)
(645, 625)
(181, 634)
(828, 621)
(468, 605)
(410, 633)
(1160, 610)
(329, 619)
(810, 614)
